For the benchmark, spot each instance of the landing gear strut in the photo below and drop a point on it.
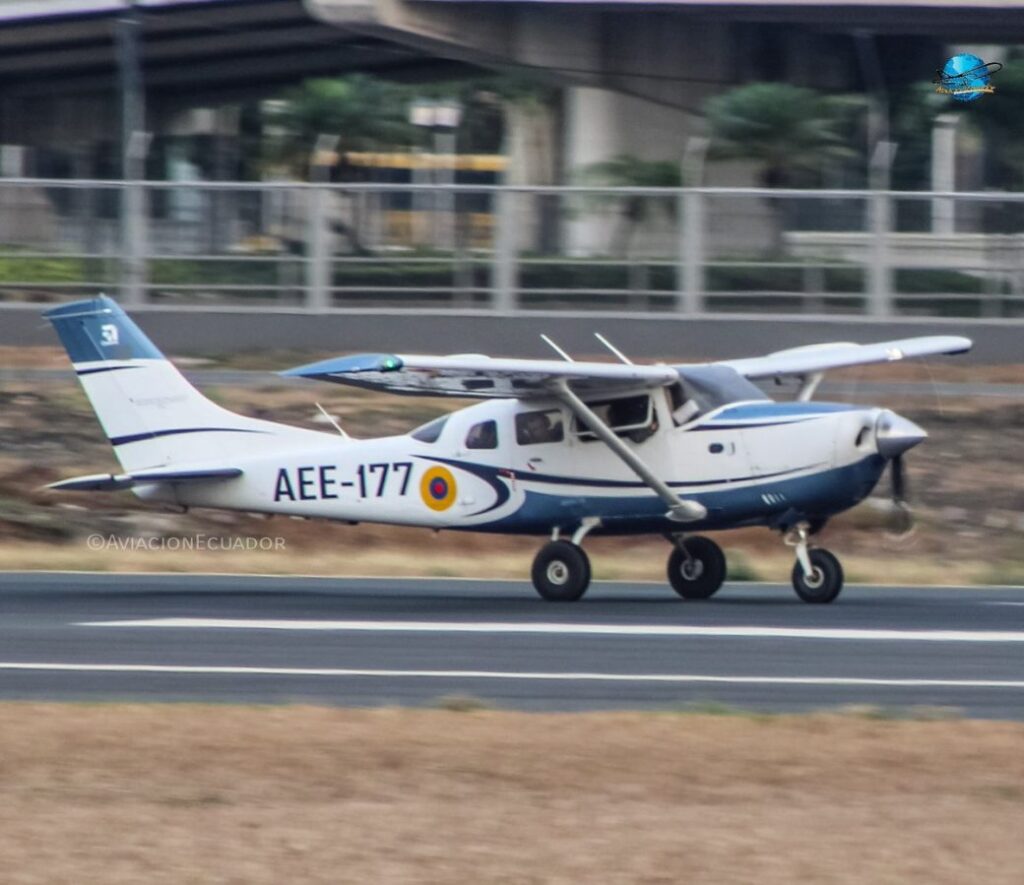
(817, 574)
(696, 567)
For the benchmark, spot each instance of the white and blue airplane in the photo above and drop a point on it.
(554, 448)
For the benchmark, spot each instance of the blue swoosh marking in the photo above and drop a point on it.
(487, 473)
(713, 426)
(153, 434)
(491, 475)
(81, 372)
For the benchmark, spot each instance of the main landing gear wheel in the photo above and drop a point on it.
(561, 572)
(825, 580)
(696, 568)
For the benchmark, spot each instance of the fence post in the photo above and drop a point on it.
(690, 276)
(504, 270)
(879, 271)
(691, 251)
(134, 224)
(317, 259)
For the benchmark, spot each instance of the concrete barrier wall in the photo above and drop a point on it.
(222, 331)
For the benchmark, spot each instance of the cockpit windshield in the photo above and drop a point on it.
(704, 388)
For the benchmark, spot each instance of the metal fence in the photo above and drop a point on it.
(691, 250)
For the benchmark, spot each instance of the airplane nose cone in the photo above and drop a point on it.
(894, 434)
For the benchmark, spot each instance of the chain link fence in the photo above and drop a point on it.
(507, 249)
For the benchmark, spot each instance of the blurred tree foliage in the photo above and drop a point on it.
(1000, 119)
(626, 170)
(366, 113)
(912, 113)
(799, 138)
(793, 132)
(372, 114)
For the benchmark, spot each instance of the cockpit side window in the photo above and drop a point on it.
(431, 432)
(483, 436)
(539, 427)
(630, 416)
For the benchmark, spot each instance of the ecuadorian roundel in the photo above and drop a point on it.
(437, 488)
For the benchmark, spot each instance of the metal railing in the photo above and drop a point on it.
(505, 249)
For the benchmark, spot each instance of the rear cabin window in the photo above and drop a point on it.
(429, 433)
(630, 416)
(483, 436)
(539, 427)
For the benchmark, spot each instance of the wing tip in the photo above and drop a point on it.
(347, 365)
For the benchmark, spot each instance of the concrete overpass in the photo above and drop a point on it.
(59, 62)
(638, 72)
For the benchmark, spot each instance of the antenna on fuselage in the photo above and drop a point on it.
(556, 348)
(332, 420)
(622, 357)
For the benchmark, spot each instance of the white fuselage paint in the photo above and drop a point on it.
(385, 480)
(157, 419)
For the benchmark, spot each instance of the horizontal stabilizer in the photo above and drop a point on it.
(108, 482)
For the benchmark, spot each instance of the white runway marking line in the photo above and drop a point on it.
(679, 678)
(498, 628)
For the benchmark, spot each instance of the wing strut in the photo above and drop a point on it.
(679, 510)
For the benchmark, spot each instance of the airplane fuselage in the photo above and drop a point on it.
(753, 463)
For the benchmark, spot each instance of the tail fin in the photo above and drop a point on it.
(151, 414)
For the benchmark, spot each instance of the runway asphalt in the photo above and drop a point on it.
(91, 637)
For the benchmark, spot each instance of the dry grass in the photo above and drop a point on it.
(174, 794)
(505, 558)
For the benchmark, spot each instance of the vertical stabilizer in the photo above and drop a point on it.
(151, 414)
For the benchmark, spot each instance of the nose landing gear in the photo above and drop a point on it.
(817, 573)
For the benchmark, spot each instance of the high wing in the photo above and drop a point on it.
(821, 357)
(478, 377)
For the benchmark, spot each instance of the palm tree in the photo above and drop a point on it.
(626, 170)
(793, 132)
(1001, 123)
(366, 113)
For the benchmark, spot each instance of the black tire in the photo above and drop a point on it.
(826, 581)
(561, 572)
(700, 574)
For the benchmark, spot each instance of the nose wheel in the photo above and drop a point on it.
(817, 573)
(561, 572)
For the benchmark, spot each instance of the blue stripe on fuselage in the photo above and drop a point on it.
(819, 494)
(771, 410)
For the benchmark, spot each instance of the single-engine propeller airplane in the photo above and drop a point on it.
(555, 447)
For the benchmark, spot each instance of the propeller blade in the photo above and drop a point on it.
(899, 479)
(903, 516)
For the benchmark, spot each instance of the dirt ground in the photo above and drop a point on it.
(967, 494)
(173, 794)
